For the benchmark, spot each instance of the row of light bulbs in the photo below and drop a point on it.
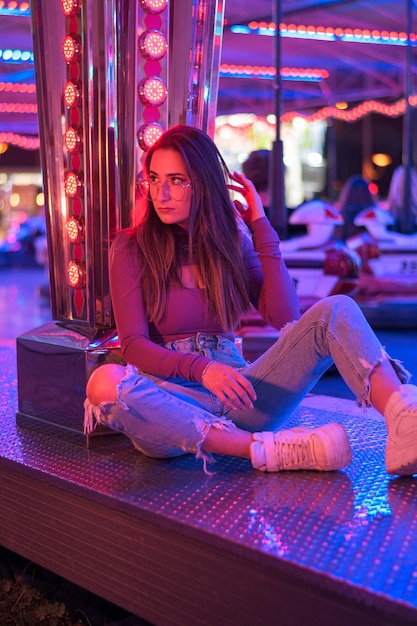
(152, 92)
(152, 89)
(12, 6)
(73, 143)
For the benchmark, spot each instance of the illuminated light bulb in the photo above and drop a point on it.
(75, 229)
(72, 140)
(152, 91)
(73, 185)
(153, 6)
(198, 56)
(381, 159)
(71, 48)
(152, 44)
(71, 7)
(72, 95)
(76, 274)
(287, 73)
(40, 199)
(147, 135)
(14, 200)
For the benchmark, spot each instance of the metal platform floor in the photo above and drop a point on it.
(176, 547)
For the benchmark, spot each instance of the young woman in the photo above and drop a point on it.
(180, 280)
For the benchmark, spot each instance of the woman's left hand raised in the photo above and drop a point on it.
(254, 209)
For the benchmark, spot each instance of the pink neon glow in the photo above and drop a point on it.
(72, 94)
(73, 185)
(153, 44)
(71, 48)
(148, 134)
(76, 275)
(70, 7)
(153, 6)
(72, 140)
(152, 91)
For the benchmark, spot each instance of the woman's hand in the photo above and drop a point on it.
(229, 385)
(254, 209)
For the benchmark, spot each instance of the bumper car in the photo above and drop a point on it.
(319, 264)
(387, 285)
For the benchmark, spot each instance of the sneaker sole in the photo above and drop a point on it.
(394, 461)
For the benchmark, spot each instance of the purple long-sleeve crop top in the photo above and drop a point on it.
(271, 291)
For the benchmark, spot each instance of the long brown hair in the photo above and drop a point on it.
(214, 245)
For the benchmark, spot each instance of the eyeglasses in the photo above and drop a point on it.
(174, 186)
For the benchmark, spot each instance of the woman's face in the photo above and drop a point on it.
(170, 187)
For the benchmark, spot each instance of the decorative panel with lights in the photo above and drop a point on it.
(152, 75)
(111, 77)
(86, 63)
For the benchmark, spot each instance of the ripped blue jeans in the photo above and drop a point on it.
(167, 417)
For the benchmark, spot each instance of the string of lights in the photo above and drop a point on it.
(328, 112)
(18, 107)
(21, 141)
(352, 115)
(14, 8)
(326, 33)
(16, 56)
(11, 87)
(269, 73)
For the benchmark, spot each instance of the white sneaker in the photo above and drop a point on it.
(401, 419)
(301, 448)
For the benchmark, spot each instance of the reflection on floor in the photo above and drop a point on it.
(174, 546)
